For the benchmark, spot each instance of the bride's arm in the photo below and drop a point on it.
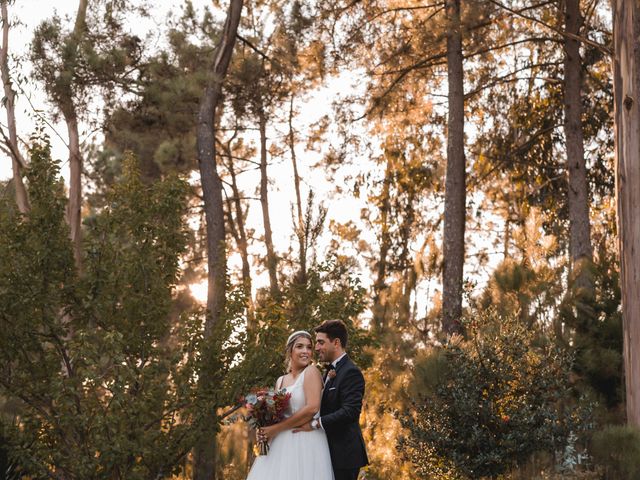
(312, 393)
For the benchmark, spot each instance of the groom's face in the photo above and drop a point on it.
(325, 348)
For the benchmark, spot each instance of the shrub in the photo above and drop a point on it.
(617, 449)
(499, 399)
(103, 377)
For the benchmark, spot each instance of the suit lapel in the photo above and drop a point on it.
(339, 365)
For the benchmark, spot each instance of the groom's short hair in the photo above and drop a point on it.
(334, 329)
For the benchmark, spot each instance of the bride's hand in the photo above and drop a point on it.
(303, 428)
(268, 433)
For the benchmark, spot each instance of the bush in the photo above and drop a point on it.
(617, 449)
(499, 399)
(103, 377)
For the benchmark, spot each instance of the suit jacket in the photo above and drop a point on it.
(340, 415)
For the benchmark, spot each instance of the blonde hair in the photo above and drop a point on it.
(290, 343)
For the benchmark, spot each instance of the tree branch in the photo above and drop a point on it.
(254, 48)
(557, 30)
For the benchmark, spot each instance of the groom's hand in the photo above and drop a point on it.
(303, 428)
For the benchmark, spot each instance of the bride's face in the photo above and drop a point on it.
(301, 352)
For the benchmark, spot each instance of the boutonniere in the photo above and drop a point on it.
(331, 371)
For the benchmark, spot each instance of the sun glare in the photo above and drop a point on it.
(199, 291)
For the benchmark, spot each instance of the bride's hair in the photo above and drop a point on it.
(291, 341)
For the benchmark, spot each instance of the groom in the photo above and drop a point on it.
(341, 402)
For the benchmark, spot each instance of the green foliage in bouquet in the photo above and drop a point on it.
(489, 402)
(104, 374)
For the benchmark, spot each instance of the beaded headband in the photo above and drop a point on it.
(297, 334)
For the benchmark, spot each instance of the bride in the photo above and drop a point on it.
(303, 454)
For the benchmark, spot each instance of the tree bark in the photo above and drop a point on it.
(74, 211)
(380, 287)
(272, 260)
(17, 160)
(205, 454)
(241, 231)
(300, 227)
(626, 69)
(455, 183)
(578, 192)
(68, 109)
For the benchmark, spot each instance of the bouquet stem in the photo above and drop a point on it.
(263, 447)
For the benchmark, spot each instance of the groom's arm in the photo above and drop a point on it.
(351, 393)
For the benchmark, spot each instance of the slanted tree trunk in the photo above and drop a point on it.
(272, 260)
(578, 195)
(17, 160)
(455, 183)
(626, 69)
(205, 454)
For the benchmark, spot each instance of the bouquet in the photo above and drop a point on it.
(266, 407)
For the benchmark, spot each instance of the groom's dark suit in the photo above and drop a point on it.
(339, 416)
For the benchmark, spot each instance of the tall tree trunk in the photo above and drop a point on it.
(74, 212)
(455, 183)
(241, 231)
(626, 68)
(272, 261)
(205, 454)
(67, 107)
(578, 196)
(17, 160)
(380, 287)
(300, 227)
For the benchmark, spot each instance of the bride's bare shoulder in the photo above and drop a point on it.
(313, 371)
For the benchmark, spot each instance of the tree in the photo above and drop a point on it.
(489, 402)
(61, 89)
(17, 160)
(626, 75)
(117, 399)
(580, 250)
(96, 52)
(267, 75)
(455, 181)
(206, 451)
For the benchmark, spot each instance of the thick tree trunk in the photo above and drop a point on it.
(272, 260)
(205, 454)
(578, 193)
(455, 183)
(626, 67)
(17, 160)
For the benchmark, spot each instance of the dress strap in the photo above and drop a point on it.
(301, 376)
(279, 381)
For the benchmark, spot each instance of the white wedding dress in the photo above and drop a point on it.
(295, 456)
